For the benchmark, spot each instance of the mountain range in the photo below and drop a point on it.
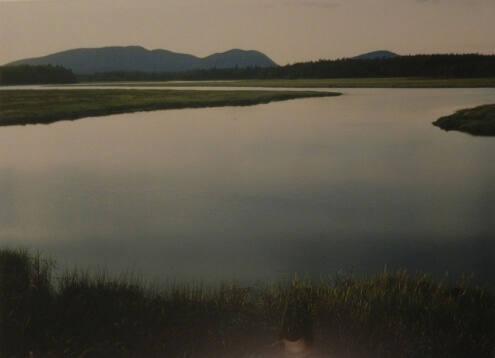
(84, 61)
(139, 59)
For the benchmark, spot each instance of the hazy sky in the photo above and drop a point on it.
(286, 30)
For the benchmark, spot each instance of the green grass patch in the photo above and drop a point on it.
(47, 106)
(479, 121)
(392, 82)
(388, 315)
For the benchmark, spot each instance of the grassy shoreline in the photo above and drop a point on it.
(19, 107)
(388, 315)
(322, 83)
(478, 121)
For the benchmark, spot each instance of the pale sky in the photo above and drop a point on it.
(286, 30)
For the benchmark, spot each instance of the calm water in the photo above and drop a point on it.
(315, 186)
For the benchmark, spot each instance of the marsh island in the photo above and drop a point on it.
(478, 121)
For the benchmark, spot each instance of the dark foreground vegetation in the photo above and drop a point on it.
(422, 66)
(31, 75)
(47, 106)
(478, 121)
(389, 315)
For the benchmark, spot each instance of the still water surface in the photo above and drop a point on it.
(316, 186)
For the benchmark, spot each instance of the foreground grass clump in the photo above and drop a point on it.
(380, 82)
(47, 106)
(390, 315)
(476, 121)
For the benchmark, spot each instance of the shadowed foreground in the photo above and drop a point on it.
(47, 106)
(389, 315)
(478, 121)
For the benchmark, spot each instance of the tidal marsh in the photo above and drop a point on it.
(379, 82)
(479, 121)
(20, 107)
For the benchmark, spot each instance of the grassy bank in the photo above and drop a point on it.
(389, 315)
(328, 83)
(478, 121)
(47, 106)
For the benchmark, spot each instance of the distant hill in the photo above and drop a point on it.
(376, 55)
(139, 59)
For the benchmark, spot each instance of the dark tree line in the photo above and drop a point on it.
(436, 66)
(433, 66)
(27, 75)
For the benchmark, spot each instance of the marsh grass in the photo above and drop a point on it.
(19, 107)
(93, 315)
(378, 82)
(478, 121)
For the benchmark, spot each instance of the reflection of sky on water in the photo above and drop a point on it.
(352, 183)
